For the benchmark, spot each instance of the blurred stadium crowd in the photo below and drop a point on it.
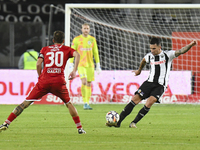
(24, 23)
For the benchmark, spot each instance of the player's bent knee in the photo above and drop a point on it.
(150, 101)
(68, 103)
(25, 104)
(84, 81)
(136, 99)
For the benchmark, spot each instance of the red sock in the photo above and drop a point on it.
(77, 122)
(11, 117)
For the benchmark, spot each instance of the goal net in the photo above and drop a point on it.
(122, 32)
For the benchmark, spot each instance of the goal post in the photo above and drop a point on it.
(123, 32)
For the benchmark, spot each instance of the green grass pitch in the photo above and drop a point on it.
(50, 127)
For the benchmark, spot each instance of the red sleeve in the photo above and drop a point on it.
(41, 54)
(71, 52)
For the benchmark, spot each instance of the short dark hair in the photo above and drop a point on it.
(155, 40)
(58, 36)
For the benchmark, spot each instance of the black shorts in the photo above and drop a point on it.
(148, 89)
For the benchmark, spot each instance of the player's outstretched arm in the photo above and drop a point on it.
(142, 64)
(72, 75)
(186, 48)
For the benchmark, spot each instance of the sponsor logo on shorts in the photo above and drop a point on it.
(140, 92)
(82, 75)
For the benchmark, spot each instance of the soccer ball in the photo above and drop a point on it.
(112, 117)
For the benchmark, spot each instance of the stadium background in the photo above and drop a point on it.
(25, 22)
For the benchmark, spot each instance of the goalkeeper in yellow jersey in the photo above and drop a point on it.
(86, 45)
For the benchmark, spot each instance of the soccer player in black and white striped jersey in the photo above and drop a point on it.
(154, 87)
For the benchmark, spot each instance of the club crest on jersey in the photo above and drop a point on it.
(89, 42)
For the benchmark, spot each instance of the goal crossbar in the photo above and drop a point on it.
(119, 6)
(136, 6)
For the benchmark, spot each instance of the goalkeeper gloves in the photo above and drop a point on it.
(71, 67)
(98, 68)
